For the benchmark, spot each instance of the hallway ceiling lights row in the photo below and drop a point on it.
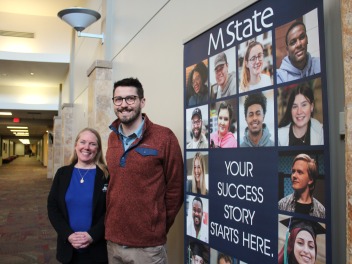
(19, 131)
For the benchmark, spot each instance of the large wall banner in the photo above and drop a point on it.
(257, 175)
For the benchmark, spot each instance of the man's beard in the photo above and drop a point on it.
(130, 119)
(255, 133)
(195, 135)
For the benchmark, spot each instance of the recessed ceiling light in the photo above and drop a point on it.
(32, 73)
(19, 130)
(17, 127)
(25, 141)
(6, 113)
(18, 134)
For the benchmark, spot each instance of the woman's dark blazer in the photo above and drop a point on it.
(58, 215)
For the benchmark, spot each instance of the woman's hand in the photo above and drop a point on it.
(80, 240)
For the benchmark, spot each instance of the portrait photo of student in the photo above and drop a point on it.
(301, 241)
(197, 172)
(197, 84)
(198, 253)
(197, 127)
(297, 104)
(223, 115)
(301, 183)
(255, 62)
(297, 48)
(218, 257)
(256, 114)
(222, 74)
(197, 218)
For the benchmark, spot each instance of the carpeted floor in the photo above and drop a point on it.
(26, 235)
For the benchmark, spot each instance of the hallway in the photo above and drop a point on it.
(26, 235)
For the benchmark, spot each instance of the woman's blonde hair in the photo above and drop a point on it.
(98, 159)
(203, 188)
(245, 76)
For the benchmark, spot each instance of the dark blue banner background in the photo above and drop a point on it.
(243, 209)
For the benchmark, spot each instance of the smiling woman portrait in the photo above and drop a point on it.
(77, 202)
(199, 170)
(301, 242)
(297, 126)
(223, 137)
(252, 70)
(197, 85)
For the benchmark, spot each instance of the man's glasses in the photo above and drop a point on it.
(130, 99)
(254, 58)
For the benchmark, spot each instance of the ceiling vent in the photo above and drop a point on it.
(6, 33)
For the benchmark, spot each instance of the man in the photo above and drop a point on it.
(256, 133)
(225, 81)
(199, 140)
(303, 176)
(224, 259)
(145, 191)
(298, 63)
(195, 227)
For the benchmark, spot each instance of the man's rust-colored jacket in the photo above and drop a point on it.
(145, 190)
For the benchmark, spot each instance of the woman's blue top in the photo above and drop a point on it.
(79, 199)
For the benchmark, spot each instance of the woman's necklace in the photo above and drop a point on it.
(303, 139)
(82, 177)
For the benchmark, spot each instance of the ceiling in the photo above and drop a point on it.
(38, 122)
(14, 73)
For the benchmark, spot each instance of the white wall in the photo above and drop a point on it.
(47, 41)
(5, 152)
(19, 149)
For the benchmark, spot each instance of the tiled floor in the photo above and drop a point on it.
(26, 235)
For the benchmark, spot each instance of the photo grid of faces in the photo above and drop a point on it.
(238, 98)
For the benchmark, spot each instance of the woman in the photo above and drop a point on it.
(198, 175)
(300, 244)
(223, 138)
(252, 76)
(301, 248)
(197, 84)
(298, 127)
(76, 203)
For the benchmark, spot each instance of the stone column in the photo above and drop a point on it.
(346, 21)
(50, 165)
(66, 136)
(56, 148)
(100, 107)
